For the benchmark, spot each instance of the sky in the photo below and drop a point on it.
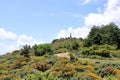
(41, 21)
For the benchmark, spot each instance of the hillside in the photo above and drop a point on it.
(95, 58)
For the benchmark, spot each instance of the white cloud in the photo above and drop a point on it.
(77, 32)
(85, 2)
(5, 46)
(111, 13)
(10, 41)
(96, 19)
(7, 35)
(23, 40)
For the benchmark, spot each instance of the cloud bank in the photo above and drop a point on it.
(10, 41)
(111, 13)
(7, 35)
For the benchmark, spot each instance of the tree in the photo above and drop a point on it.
(105, 34)
(25, 50)
(97, 38)
(94, 36)
(94, 30)
(111, 34)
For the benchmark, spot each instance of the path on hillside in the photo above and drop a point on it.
(66, 55)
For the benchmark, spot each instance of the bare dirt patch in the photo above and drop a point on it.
(66, 55)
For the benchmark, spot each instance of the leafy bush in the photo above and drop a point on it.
(5, 72)
(6, 77)
(41, 76)
(42, 66)
(113, 64)
(102, 52)
(106, 71)
(111, 78)
(87, 76)
(99, 50)
(73, 57)
(42, 49)
(20, 62)
(109, 69)
(115, 53)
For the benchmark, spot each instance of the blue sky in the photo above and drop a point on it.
(37, 21)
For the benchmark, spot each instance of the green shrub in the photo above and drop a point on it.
(20, 62)
(113, 64)
(4, 72)
(41, 76)
(102, 52)
(115, 53)
(42, 49)
(112, 78)
(42, 66)
(7, 79)
(85, 51)
(106, 71)
(99, 50)
(22, 74)
(73, 57)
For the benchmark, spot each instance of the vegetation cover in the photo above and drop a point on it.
(95, 58)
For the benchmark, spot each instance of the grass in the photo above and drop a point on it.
(86, 63)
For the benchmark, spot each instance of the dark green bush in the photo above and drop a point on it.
(25, 50)
(42, 49)
(7, 79)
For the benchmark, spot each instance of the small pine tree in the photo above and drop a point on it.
(25, 50)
